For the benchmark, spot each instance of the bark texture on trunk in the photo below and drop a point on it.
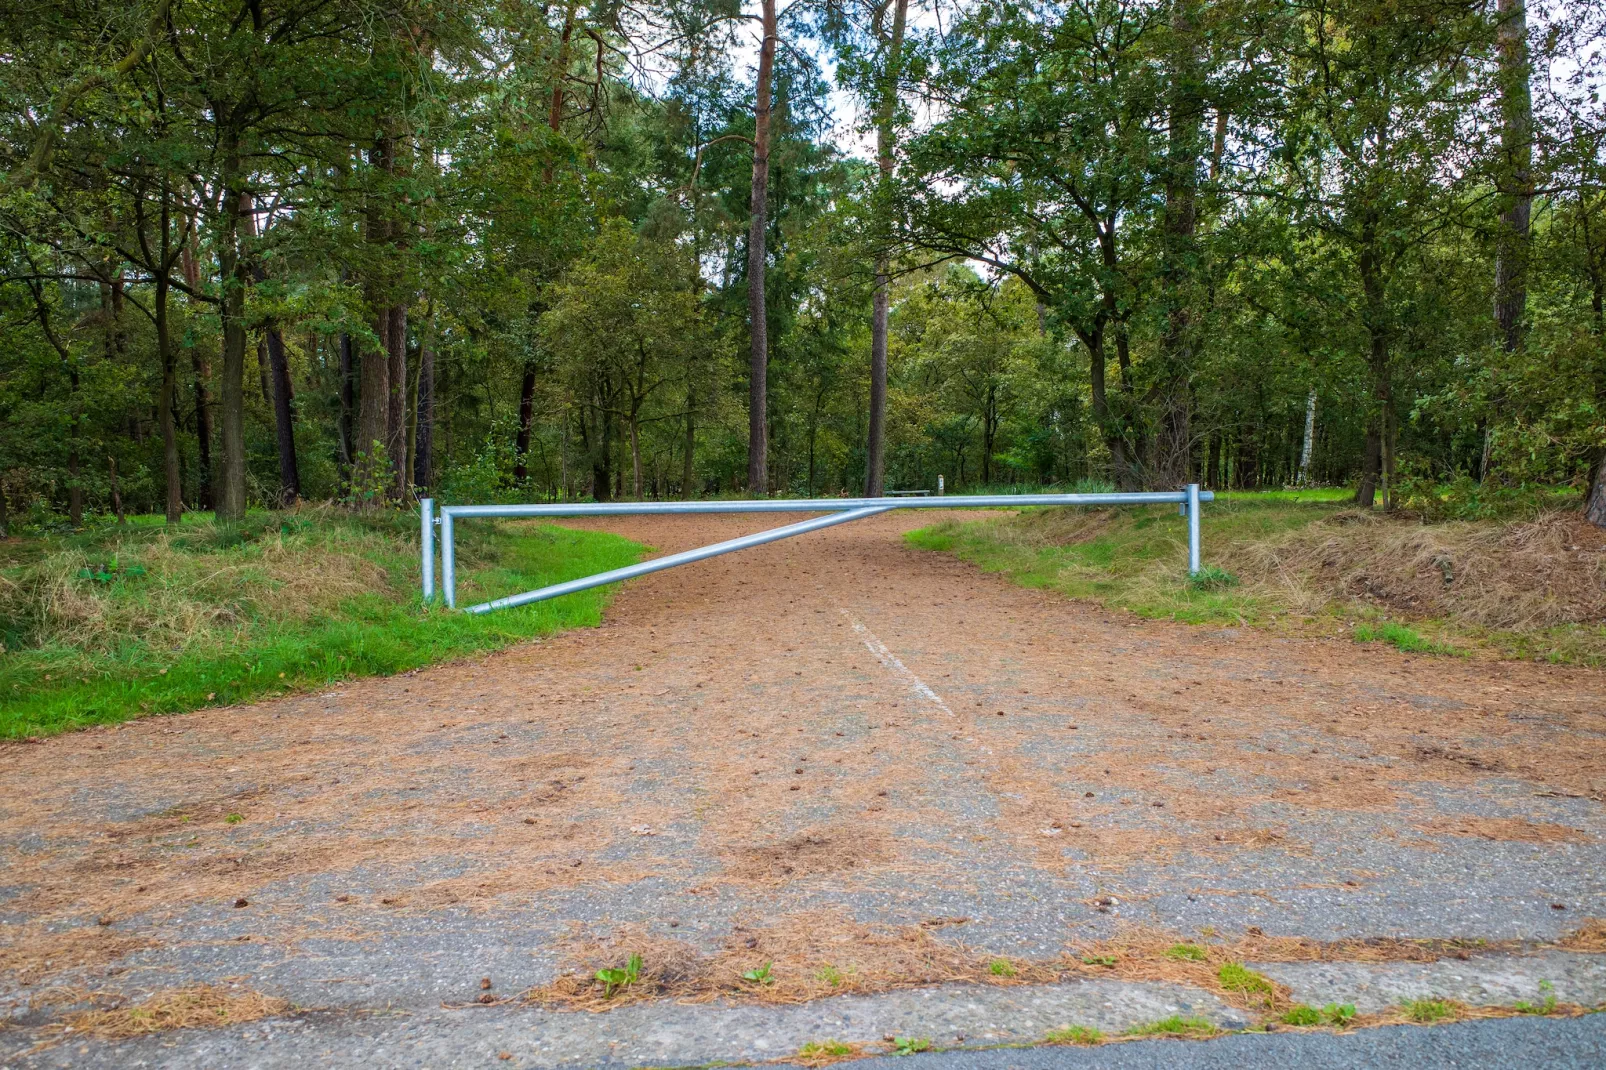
(276, 387)
(875, 452)
(424, 413)
(173, 505)
(373, 467)
(396, 399)
(202, 370)
(1516, 178)
(235, 278)
(758, 352)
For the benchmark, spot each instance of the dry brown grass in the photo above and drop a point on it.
(810, 955)
(1512, 576)
(193, 595)
(197, 1006)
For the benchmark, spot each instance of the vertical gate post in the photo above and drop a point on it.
(448, 560)
(1193, 529)
(426, 542)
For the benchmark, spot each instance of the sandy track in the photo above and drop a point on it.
(836, 723)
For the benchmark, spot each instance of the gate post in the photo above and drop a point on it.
(1193, 529)
(448, 560)
(426, 514)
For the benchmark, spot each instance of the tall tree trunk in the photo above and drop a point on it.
(688, 474)
(424, 409)
(202, 370)
(757, 233)
(1310, 439)
(396, 400)
(347, 402)
(276, 387)
(1185, 146)
(235, 278)
(887, 110)
(521, 443)
(1595, 510)
(1516, 172)
(635, 455)
(173, 478)
(373, 416)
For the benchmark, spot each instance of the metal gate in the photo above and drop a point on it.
(837, 510)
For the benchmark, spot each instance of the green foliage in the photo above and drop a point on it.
(1083, 1035)
(1186, 953)
(1001, 968)
(759, 975)
(1341, 1015)
(1236, 977)
(1404, 639)
(618, 978)
(1106, 961)
(1546, 1004)
(1211, 578)
(910, 1045)
(829, 975)
(1300, 1014)
(824, 1049)
(1426, 1010)
(1175, 1026)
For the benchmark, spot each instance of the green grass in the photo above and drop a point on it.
(1133, 559)
(280, 603)
(1236, 977)
(1186, 953)
(1428, 1010)
(1083, 1035)
(1405, 639)
(1300, 1014)
(1001, 968)
(1174, 1026)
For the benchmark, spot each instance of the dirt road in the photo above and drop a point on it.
(808, 741)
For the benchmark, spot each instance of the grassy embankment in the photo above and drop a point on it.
(1532, 586)
(115, 623)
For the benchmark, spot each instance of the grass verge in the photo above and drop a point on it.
(120, 623)
(1304, 563)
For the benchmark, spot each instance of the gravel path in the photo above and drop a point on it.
(825, 742)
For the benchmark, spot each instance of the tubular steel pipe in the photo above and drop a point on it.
(426, 542)
(448, 560)
(821, 505)
(631, 571)
(840, 510)
(1193, 528)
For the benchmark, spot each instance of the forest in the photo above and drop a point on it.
(259, 252)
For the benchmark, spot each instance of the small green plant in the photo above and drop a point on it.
(234, 819)
(1428, 1009)
(1100, 960)
(1001, 968)
(819, 1052)
(1186, 953)
(617, 980)
(1084, 1035)
(1236, 977)
(1211, 578)
(1175, 1026)
(760, 975)
(829, 974)
(910, 1045)
(1299, 1014)
(1546, 1005)
(1339, 1014)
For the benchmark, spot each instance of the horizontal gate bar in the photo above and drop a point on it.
(823, 505)
(631, 571)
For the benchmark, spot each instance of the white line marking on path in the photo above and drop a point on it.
(890, 660)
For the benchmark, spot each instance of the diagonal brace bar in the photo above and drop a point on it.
(602, 579)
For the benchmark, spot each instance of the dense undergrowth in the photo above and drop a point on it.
(1529, 582)
(118, 622)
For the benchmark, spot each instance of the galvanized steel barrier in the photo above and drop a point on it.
(838, 510)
